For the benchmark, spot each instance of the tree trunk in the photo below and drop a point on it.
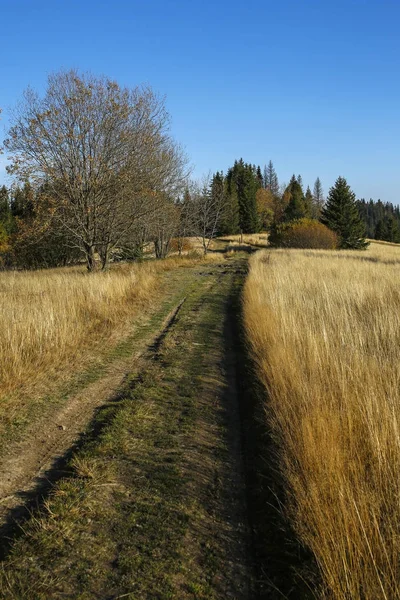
(158, 248)
(180, 245)
(90, 258)
(105, 255)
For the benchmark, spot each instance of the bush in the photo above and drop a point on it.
(184, 244)
(304, 233)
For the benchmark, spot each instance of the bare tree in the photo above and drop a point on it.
(208, 200)
(187, 219)
(104, 151)
(165, 227)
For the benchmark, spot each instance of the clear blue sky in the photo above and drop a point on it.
(313, 85)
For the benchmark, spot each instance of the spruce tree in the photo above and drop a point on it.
(341, 215)
(296, 208)
(243, 184)
(381, 231)
(271, 182)
(230, 214)
(392, 234)
(300, 181)
(318, 193)
(309, 204)
(247, 192)
(259, 177)
(217, 192)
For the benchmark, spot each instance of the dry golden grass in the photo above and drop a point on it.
(52, 321)
(253, 239)
(324, 328)
(49, 318)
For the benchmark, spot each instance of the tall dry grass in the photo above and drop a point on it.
(49, 319)
(253, 239)
(324, 328)
(53, 321)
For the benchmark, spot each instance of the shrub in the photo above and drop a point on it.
(182, 244)
(304, 233)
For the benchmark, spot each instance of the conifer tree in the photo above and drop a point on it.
(22, 201)
(230, 214)
(308, 203)
(318, 195)
(381, 231)
(242, 186)
(4, 201)
(341, 215)
(271, 182)
(392, 230)
(259, 177)
(247, 186)
(300, 181)
(296, 208)
(6, 218)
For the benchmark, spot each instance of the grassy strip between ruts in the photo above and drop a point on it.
(121, 525)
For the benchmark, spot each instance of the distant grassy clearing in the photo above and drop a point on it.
(324, 328)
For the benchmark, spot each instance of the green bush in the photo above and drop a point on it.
(304, 233)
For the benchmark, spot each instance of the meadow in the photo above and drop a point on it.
(324, 330)
(55, 322)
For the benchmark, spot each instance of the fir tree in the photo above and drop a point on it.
(341, 215)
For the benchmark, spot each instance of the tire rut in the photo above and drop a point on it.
(31, 466)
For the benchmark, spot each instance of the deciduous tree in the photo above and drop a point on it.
(102, 149)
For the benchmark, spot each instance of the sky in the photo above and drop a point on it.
(312, 85)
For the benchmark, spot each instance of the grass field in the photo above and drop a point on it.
(49, 318)
(324, 329)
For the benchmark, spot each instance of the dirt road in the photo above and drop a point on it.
(151, 503)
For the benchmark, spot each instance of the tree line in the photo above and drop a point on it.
(382, 220)
(100, 177)
(253, 200)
